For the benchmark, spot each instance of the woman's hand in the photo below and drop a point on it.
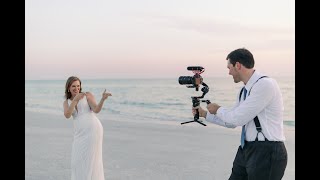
(105, 94)
(79, 96)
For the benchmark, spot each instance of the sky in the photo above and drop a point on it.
(103, 39)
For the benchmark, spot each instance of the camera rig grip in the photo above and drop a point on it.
(196, 102)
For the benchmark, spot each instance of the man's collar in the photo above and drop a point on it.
(254, 77)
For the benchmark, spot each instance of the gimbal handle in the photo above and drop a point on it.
(207, 101)
(196, 102)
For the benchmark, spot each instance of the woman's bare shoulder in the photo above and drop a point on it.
(88, 93)
(65, 102)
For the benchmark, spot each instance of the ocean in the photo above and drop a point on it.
(149, 99)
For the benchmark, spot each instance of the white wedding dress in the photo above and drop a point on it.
(86, 157)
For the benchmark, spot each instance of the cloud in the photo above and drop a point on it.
(226, 30)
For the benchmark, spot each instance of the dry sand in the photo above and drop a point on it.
(139, 150)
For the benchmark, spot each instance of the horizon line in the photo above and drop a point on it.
(140, 78)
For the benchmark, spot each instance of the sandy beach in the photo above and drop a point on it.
(139, 150)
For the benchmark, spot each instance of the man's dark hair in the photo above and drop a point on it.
(243, 56)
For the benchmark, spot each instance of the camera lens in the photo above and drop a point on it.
(186, 80)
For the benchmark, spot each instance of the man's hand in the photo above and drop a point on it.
(213, 108)
(202, 113)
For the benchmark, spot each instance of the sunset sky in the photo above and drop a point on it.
(155, 38)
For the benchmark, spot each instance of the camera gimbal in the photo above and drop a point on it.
(196, 80)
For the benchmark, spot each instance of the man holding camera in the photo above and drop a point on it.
(262, 154)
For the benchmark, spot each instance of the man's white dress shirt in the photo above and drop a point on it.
(264, 100)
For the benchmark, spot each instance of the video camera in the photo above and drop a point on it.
(195, 82)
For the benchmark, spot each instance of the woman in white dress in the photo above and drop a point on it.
(86, 157)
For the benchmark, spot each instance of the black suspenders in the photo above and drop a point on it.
(256, 119)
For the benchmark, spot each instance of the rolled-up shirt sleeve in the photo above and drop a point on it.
(260, 97)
